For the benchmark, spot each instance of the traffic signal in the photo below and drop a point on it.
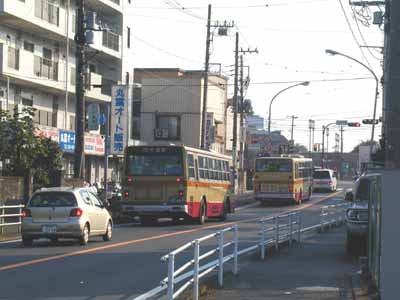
(370, 121)
(354, 124)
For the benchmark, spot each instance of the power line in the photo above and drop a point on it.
(352, 33)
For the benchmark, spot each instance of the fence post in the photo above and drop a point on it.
(262, 239)
(235, 248)
(277, 233)
(20, 219)
(290, 229)
(171, 267)
(221, 259)
(2, 220)
(322, 218)
(196, 270)
(299, 226)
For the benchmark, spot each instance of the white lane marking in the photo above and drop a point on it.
(318, 289)
(10, 242)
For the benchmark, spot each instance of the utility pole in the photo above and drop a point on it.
(79, 161)
(241, 126)
(341, 150)
(205, 92)
(327, 140)
(225, 25)
(391, 85)
(311, 126)
(292, 130)
(235, 111)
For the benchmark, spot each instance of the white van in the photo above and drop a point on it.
(325, 179)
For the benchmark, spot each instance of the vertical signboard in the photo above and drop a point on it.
(119, 116)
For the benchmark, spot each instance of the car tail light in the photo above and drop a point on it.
(76, 212)
(290, 188)
(26, 213)
(181, 194)
(126, 194)
(179, 180)
(330, 182)
(130, 179)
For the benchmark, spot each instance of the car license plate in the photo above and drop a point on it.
(49, 228)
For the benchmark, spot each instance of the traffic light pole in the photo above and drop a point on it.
(79, 161)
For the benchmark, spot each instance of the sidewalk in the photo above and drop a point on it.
(317, 269)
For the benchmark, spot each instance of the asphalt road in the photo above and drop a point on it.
(127, 266)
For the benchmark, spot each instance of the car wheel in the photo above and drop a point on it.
(108, 235)
(27, 241)
(201, 219)
(84, 239)
(224, 212)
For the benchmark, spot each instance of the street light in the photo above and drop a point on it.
(304, 83)
(333, 52)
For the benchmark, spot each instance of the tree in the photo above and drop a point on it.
(28, 154)
(299, 148)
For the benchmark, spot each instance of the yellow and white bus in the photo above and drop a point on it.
(175, 182)
(283, 179)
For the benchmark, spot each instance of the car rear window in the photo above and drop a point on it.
(322, 175)
(53, 199)
(363, 190)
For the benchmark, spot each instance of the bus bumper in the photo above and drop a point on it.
(155, 210)
(274, 197)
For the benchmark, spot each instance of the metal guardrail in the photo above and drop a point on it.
(275, 230)
(4, 216)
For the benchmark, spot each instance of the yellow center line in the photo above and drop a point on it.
(146, 239)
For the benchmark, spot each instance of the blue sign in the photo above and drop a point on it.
(67, 140)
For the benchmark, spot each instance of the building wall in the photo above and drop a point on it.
(23, 23)
(178, 92)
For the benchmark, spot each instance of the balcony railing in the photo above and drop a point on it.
(47, 11)
(45, 68)
(111, 40)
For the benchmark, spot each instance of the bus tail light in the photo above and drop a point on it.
(181, 194)
(179, 180)
(130, 179)
(290, 188)
(126, 194)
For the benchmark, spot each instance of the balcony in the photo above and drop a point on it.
(45, 68)
(111, 40)
(47, 11)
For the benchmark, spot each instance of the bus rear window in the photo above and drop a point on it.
(273, 165)
(154, 164)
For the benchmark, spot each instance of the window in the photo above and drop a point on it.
(73, 76)
(95, 201)
(136, 107)
(191, 170)
(169, 127)
(29, 46)
(135, 129)
(13, 58)
(27, 102)
(47, 11)
(163, 161)
(47, 53)
(53, 199)
(85, 197)
(128, 37)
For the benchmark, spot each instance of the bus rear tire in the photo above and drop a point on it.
(201, 219)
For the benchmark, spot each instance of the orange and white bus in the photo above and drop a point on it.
(175, 182)
(283, 179)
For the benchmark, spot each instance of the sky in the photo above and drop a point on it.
(291, 37)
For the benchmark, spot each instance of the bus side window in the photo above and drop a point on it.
(191, 170)
(196, 169)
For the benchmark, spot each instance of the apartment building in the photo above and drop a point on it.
(169, 109)
(37, 67)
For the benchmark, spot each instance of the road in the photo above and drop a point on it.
(127, 266)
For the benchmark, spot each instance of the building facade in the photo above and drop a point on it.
(37, 67)
(169, 109)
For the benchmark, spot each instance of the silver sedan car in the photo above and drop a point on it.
(64, 212)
